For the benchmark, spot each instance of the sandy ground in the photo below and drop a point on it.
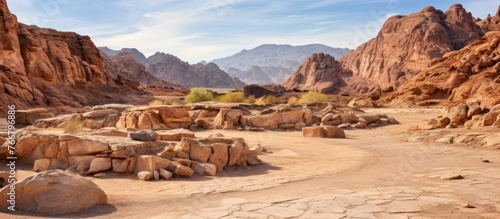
(374, 173)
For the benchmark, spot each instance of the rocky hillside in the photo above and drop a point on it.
(490, 23)
(471, 74)
(171, 68)
(406, 45)
(45, 67)
(320, 72)
(126, 65)
(277, 62)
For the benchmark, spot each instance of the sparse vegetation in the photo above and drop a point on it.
(293, 100)
(199, 94)
(73, 125)
(232, 97)
(250, 99)
(269, 99)
(347, 100)
(313, 97)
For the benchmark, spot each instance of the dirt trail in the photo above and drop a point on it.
(373, 173)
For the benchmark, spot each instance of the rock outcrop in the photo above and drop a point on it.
(54, 192)
(320, 72)
(490, 23)
(406, 45)
(171, 68)
(45, 67)
(465, 76)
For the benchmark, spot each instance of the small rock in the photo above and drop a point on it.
(156, 175)
(100, 175)
(486, 161)
(216, 135)
(468, 206)
(165, 174)
(144, 175)
(41, 165)
(452, 177)
(143, 136)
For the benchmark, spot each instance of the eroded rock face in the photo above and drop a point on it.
(320, 72)
(470, 75)
(45, 67)
(54, 192)
(406, 45)
(490, 23)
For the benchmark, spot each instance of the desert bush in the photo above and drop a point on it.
(73, 125)
(269, 99)
(312, 97)
(250, 99)
(232, 97)
(347, 100)
(199, 94)
(156, 103)
(293, 100)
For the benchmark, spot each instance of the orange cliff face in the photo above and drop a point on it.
(406, 45)
(469, 75)
(43, 67)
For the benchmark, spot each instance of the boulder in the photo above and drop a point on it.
(458, 114)
(41, 165)
(98, 165)
(79, 147)
(120, 165)
(200, 152)
(369, 118)
(490, 118)
(54, 192)
(474, 109)
(204, 169)
(156, 175)
(174, 135)
(150, 163)
(183, 171)
(143, 135)
(220, 155)
(333, 132)
(165, 174)
(237, 153)
(144, 175)
(313, 132)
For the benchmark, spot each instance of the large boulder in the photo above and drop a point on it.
(54, 192)
(323, 132)
(151, 163)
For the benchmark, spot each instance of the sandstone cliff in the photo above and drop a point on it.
(320, 72)
(171, 68)
(406, 45)
(44, 67)
(471, 74)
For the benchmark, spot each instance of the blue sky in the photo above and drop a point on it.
(196, 30)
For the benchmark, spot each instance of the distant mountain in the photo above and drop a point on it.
(261, 75)
(125, 64)
(139, 56)
(284, 58)
(171, 68)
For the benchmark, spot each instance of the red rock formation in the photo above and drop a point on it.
(406, 45)
(471, 74)
(490, 23)
(44, 67)
(320, 72)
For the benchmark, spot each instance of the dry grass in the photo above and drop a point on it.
(269, 99)
(293, 100)
(313, 97)
(199, 94)
(232, 97)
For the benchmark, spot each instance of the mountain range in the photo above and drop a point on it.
(271, 63)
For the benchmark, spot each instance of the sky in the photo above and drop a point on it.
(196, 30)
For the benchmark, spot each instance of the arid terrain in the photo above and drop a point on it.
(406, 125)
(373, 173)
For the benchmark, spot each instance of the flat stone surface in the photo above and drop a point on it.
(280, 211)
(404, 207)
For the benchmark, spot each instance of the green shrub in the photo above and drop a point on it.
(313, 97)
(199, 94)
(269, 99)
(232, 97)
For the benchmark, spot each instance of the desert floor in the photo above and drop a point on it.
(374, 173)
